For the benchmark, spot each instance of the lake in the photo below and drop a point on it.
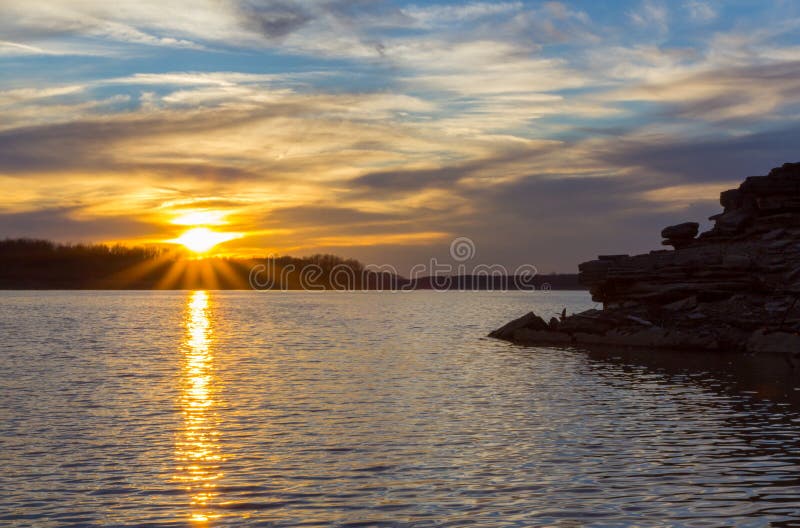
(373, 409)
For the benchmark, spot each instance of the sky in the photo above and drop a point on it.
(546, 132)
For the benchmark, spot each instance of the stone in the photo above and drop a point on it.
(684, 230)
(680, 235)
(529, 320)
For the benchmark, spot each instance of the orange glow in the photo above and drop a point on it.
(196, 218)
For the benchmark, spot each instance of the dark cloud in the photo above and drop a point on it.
(92, 147)
(60, 224)
(96, 146)
(779, 73)
(80, 144)
(410, 180)
(738, 94)
(274, 19)
(707, 159)
(320, 215)
(743, 97)
(447, 177)
(34, 28)
(310, 221)
(706, 107)
(196, 171)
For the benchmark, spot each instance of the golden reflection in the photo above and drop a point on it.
(197, 449)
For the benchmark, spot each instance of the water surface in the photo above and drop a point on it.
(319, 409)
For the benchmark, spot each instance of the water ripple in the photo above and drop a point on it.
(302, 409)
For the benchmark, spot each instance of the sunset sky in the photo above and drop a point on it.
(547, 132)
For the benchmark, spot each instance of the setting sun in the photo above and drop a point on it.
(202, 239)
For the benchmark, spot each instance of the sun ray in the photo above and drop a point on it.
(172, 277)
(208, 275)
(129, 276)
(230, 278)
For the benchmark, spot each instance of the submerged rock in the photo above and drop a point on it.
(733, 288)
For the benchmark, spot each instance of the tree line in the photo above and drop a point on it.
(42, 264)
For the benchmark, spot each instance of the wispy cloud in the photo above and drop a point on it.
(651, 14)
(700, 11)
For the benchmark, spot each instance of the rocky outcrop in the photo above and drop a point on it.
(732, 288)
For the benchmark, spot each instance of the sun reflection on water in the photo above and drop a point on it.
(198, 449)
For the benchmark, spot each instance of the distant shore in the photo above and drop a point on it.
(27, 264)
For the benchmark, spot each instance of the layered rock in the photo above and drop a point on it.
(734, 287)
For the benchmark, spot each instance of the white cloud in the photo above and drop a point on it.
(700, 11)
(651, 14)
(434, 15)
(194, 78)
(26, 95)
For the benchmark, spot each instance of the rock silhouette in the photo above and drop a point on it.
(732, 288)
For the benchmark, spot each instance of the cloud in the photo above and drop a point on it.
(651, 14)
(327, 216)
(8, 48)
(140, 23)
(752, 92)
(194, 78)
(706, 159)
(700, 11)
(28, 95)
(409, 180)
(64, 223)
(274, 19)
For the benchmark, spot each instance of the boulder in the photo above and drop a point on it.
(680, 235)
(684, 230)
(529, 320)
